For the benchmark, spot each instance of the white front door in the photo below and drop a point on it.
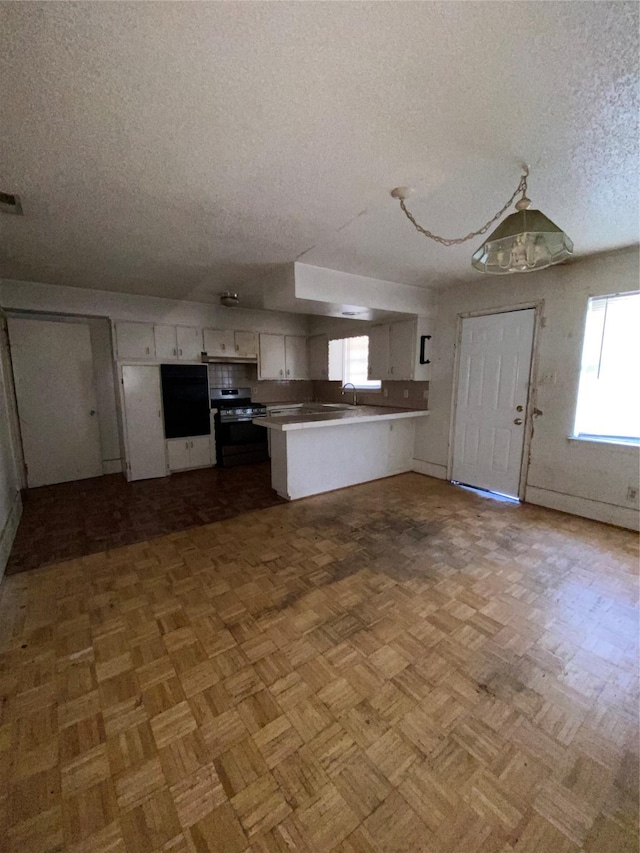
(55, 390)
(491, 405)
(146, 456)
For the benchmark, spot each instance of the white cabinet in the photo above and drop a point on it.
(166, 342)
(378, 352)
(246, 344)
(402, 343)
(283, 357)
(183, 453)
(271, 364)
(319, 357)
(134, 340)
(142, 415)
(394, 350)
(219, 342)
(161, 341)
(296, 357)
(189, 341)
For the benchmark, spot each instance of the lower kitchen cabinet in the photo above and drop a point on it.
(184, 453)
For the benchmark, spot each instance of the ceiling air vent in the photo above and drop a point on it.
(10, 203)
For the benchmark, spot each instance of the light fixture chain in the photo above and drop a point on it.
(451, 241)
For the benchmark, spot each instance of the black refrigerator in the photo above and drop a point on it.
(185, 400)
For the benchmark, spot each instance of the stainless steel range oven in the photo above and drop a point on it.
(238, 439)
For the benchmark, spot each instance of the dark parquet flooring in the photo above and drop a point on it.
(71, 520)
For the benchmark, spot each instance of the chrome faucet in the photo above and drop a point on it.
(354, 402)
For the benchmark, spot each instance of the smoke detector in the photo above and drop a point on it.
(229, 299)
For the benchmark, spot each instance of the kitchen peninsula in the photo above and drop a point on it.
(333, 447)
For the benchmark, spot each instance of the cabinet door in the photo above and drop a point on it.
(219, 342)
(166, 342)
(135, 340)
(199, 451)
(189, 343)
(178, 454)
(296, 357)
(319, 357)
(246, 344)
(271, 364)
(379, 352)
(402, 344)
(142, 417)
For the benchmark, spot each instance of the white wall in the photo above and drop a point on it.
(583, 478)
(10, 504)
(32, 296)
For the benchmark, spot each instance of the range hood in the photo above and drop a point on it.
(227, 359)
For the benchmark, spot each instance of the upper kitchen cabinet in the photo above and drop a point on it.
(271, 362)
(395, 350)
(296, 357)
(283, 357)
(219, 342)
(401, 350)
(134, 340)
(378, 352)
(166, 341)
(183, 343)
(246, 344)
(189, 341)
(319, 357)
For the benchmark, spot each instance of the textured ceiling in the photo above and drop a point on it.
(177, 149)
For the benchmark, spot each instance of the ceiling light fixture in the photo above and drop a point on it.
(526, 241)
(229, 299)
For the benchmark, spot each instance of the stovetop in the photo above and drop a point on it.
(235, 404)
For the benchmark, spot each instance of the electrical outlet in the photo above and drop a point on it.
(632, 495)
(405, 393)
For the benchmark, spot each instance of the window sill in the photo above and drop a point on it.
(610, 442)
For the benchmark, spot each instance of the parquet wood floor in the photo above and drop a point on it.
(83, 517)
(401, 666)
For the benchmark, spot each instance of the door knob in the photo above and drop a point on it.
(92, 412)
(519, 408)
(518, 421)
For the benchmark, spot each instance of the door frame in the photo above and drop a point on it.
(531, 410)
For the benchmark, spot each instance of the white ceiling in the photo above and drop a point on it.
(178, 149)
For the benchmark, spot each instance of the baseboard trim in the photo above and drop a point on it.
(621, 516)
(430, 469)
(111, 466)
(9, 532)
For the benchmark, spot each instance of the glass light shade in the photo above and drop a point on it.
(524, 242)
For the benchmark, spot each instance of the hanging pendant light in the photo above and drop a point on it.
(526, 241)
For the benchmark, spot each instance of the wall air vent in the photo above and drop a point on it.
(10, 203)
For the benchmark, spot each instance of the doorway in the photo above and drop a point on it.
(494, 368)
(57, 408)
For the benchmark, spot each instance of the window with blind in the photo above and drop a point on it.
(349, 362)
(608, 397)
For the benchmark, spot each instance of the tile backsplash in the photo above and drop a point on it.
(232, 375)
(417, 394)
(298, 391)
(246, 376)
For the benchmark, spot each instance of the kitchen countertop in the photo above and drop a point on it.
(352, 415)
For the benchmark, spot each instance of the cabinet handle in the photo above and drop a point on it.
(147, 350)
(186, 445)
(237, 348)
(281, 373)
(391, 370)
(191, 444)
(224, 346)
(288, 372)
(179, 352)
(175, 352)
